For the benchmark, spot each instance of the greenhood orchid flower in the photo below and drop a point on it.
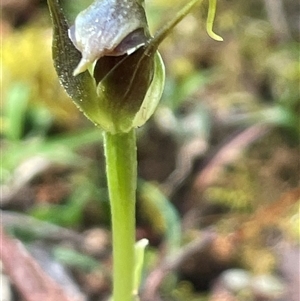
(108, 62)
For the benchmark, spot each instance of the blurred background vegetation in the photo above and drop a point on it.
(220, 154)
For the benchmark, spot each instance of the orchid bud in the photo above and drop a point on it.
(109, 64)
(124, 84)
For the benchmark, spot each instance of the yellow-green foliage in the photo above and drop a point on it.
(290, 224)
(26, 58)
(236, 191)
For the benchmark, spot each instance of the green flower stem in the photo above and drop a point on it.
(168, 27)
(121, 168)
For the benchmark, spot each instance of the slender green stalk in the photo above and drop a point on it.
(121, 165)
(165, 30)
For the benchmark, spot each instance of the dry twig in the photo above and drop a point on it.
(26, 275)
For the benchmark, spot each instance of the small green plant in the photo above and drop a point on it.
(109, 65)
